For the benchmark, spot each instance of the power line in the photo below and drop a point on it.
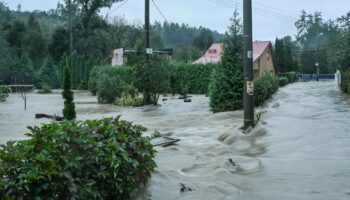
(270, 9)
(160, 12)
(115, 9)
(257, 11)
(263, 11)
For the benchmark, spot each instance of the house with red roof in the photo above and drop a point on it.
(262, 56)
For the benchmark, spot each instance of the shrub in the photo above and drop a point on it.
(194, 78)
(283, 81)
(93, 159)
(48, 76)
(265, 86)
(4, 93)
(124, 74)
(345, 81)
(44, 89)
(153, 79)
(292, 77)
(69, 106)
(127, 100)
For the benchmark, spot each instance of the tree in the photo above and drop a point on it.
(153, 79)
(15, 34)
(279, 55)
(48, 76)
(34, 42)
(226, 86)
(59, 44)
(69, 106)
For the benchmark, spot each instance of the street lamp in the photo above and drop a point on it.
(317, 55)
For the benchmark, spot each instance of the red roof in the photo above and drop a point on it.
(213, 54)
(215, 51)
(259, 48)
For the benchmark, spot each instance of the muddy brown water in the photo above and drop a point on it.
(300, 150)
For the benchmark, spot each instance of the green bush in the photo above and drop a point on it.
(93, 159)
(194, 78)
(265, 86)
(44, 89)
(345, 81)
(292, 77)
(153, 79)
(127, 100)
(179, 77)
(283, 81)
(122, 74)
(4, 93)
(68, 96)
(48, 76)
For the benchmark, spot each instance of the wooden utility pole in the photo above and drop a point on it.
(147, 96)
(248, 65)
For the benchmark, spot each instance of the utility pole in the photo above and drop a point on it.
(147, 97)
(248, 65)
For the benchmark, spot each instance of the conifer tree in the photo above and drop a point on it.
(69, 106)
(226, 86)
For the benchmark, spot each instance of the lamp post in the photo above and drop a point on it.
(317, 55)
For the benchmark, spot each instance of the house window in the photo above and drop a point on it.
(268, 56)
(212, 51)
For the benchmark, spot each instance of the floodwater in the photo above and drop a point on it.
(300, 150)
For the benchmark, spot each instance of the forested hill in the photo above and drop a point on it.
(27, 38)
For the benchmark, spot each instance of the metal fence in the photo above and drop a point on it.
(13, 77)
(315, 76)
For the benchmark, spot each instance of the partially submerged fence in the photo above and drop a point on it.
(13, 77)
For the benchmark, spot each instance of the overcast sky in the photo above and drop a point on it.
(272, 18)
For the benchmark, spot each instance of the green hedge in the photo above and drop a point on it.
(93, 159)
(265, 86)
(110, 82)
(292, 77)
(345, 81)
(80, 67)
(194, 78)
(283, 81)
(4, 93)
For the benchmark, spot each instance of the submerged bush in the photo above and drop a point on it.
(292, 77)
(193, 78)
(4, 93)
(45, 89)
(108, 82)
(283, 81)
(93, 159)
(265, 86)
(345, 81)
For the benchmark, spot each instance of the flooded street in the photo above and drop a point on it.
(300, 150)
(307, 143)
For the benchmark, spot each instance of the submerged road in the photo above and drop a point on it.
(307, 145)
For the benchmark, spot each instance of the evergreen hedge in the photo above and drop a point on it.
(93, 159)
(194, 78)
(265, 86)
(80, 67)
(345, 81)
